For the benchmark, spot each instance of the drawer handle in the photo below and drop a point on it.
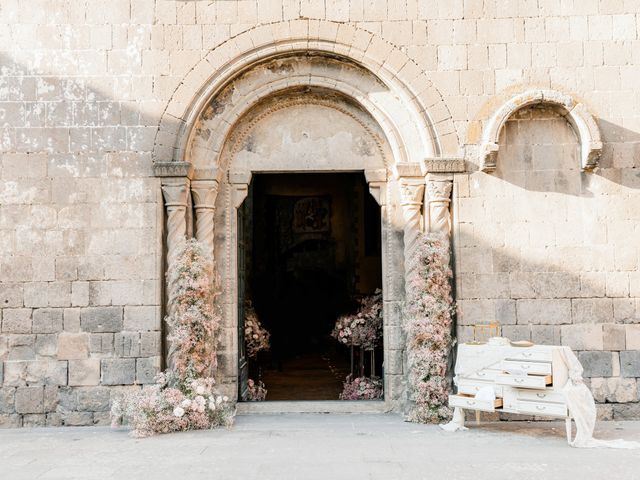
(525, 367)
(541, 395)
(481, 374)
(526, 354)
(541, 407)
(470, 402)
(518, 380)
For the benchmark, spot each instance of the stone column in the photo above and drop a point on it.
(411, 197)
(204, 193)
(176, 195)
(175, 192)
(438, 199)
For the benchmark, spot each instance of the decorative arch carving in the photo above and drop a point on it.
(576, 114)
(428, 114)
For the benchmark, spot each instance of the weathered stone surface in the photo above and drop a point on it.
(626, 411)
(29, 400)
(614, 390)
(16, 320)
(7, 400)
(630, 363)
(84, 372)
(46, 345)
(614, 337)
(127, 344)
(34, 420)
(47, 320)
(596, 364)
(147, 369)
(95, 399)
(43, 372)
(101, 319)
(582, 337)
(77, 419)
(10, 420)
(544, 311)
(73, 346)
(142, 318)
(118, 371)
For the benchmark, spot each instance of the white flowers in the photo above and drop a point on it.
(186, 403)
(178, 412)
(200, 390)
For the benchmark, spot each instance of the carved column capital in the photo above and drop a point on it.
(204, 194)
(438, 200)
(411, 191)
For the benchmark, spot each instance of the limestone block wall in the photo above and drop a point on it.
(548, 250)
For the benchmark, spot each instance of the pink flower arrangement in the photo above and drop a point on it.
(361, 388)
(195, 321)
(256, 337)
(161, 408)
(429, 315)
(256, 391)
(364, 328)
(184, 397)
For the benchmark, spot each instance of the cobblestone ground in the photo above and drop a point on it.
(318, 447)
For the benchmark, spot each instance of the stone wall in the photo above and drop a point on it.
(548, 250)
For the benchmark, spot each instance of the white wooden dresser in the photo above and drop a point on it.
(526, 380)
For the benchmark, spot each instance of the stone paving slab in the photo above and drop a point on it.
(312, 446)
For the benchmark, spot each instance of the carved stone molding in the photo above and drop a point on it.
(173, 169)
(438, 200)
(444, 165)
(204, 193)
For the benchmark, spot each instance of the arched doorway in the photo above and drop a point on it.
(214, 143)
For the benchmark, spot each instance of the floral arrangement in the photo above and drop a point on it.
(361, 388)
(429, 313)
(364, 328)
(256, 391)
(184, 397)
(162, 408)
(256, 337)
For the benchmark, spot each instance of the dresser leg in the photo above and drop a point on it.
(477, 417)
(567, 423)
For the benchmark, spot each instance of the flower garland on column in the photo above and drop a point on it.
(184, 397)
(429, 313)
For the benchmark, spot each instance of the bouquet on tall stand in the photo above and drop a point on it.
(362, 330)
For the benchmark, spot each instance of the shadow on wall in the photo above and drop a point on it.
(544, 248)
(530, 155)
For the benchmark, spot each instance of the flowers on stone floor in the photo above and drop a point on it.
(362, 388)
(184, 397)
(256, 391)
(429, 314)
(363, 328)
(256, 337)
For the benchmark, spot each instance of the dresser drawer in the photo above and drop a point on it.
(529, 381)
(486, 374)
(541, 408)
(534, 368)
(470, 387)
(533, 396)
(530, 354)
(471, 403)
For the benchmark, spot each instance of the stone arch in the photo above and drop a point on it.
(209, 117)
(402, 76)
(576, 114)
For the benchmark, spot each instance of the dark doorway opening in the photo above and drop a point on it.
(309, 247)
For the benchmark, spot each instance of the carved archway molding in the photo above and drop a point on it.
(576, 114)
(429, 114)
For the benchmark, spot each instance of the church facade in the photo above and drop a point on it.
(511, 127)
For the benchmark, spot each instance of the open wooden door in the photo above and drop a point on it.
(244, 239)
